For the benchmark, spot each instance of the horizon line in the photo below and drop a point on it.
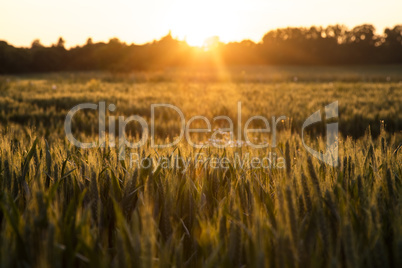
(176, 37)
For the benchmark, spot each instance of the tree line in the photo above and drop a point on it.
(333, 45)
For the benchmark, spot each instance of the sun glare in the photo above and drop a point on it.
(196, 23)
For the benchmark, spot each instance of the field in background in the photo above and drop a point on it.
(62, 206)
(366, 96)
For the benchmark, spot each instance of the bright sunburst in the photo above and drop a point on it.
(197, 21)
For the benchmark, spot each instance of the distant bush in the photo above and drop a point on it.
(333, 45)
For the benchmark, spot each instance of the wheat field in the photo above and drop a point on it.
(63, 206)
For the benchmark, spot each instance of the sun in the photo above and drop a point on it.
(197, 21)
(196, 40)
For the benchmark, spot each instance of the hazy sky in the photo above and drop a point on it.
(22, 21)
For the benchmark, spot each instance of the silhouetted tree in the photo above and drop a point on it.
(335, 44)
(60, 42)
(36, 44)
(89, 42)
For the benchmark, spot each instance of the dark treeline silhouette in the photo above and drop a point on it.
(333, 45)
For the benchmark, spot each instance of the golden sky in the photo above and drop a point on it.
(22, 21)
